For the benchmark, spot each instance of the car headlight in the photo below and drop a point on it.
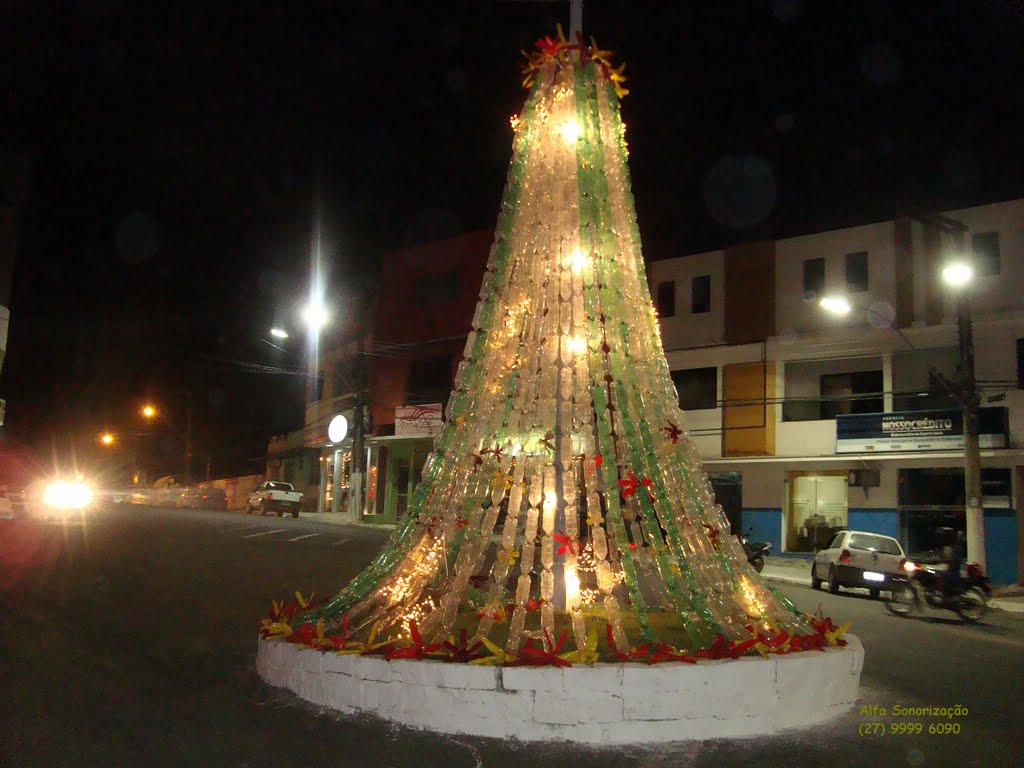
(61, 494)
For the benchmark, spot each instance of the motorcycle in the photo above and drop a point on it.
(922, 583)
(756, 552)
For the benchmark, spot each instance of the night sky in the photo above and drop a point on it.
(179, 154)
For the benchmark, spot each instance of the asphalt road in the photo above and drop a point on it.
(129, 641)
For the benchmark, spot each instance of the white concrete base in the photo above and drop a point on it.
(599, 704)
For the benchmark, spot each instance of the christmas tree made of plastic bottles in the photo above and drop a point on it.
(563, 500)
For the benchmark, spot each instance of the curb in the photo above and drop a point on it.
(998, 604)
(601, 704)
(1006, 605)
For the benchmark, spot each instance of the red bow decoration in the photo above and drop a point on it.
(673, 432)
(500, 615)
(495, 452)
(598, 460)
(712, 534)
(824, 627)
(620, 655)
(533, 656)
(461, 523)
(337, 642)
(463, 652)
(629, 485)
(304, 634)
(725, 649)
(568, 545)
(548, 45)
(534, 604)
(546, 441)
(415, 651)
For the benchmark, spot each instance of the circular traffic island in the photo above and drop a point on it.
(597, 704)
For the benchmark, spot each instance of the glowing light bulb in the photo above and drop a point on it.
(577, 344)
(578, 260)
(570, 131)
(572, 588)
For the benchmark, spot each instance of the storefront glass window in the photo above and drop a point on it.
(817, 510)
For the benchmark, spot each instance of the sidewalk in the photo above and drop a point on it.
(798, 571)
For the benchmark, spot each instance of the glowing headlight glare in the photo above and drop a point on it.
(63, 495)
(837, 305)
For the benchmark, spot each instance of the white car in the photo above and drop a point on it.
(858, 559)
(275, 496)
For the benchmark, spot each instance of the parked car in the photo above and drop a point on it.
(203, 498)
(139, 496)
(858, 559)
(275, 496)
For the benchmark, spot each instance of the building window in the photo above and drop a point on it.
(667, 299)
(697, 388)
(430, 380)
(814, 278)
(857, 271)
(817, 509)
(439, 288)
(700, 294)
(843, 393)
(985, 250)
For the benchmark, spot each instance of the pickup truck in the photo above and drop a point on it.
(275, 496)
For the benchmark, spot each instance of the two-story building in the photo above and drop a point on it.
(809, 422)
(425, 303)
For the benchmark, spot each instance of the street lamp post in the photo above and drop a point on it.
(957, 274)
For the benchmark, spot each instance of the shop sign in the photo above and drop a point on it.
(418, 420)
(334, 432)
(908, 431)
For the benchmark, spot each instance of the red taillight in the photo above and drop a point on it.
(844, 556)
(205, 496)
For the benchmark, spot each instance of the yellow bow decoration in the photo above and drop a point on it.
(497, 658)
(275, 629)
(366, 647)
(586, 655)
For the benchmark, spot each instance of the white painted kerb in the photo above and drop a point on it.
(599, 704)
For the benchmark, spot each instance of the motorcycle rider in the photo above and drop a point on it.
(953, 554)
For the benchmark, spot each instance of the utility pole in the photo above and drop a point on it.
(965, 390)
(575, 19)
(969, 401)
(358, 459)
(187, 479)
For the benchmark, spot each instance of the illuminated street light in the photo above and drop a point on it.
(315, 315)
(148, 411)
(107, 439)
(279, 333)
(957, 274)
(837, 305)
